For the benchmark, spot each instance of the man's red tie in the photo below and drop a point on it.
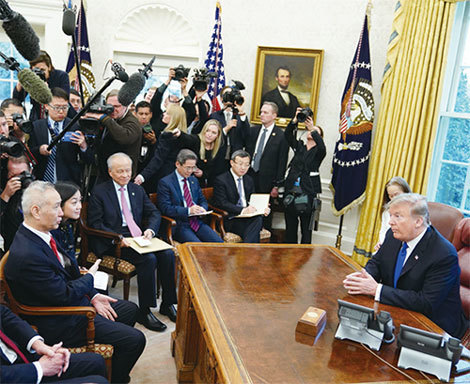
(13, 346)
(54, 249)
(193, 221)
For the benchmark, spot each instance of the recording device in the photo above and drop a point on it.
(358, 323)
(135, 84)
(315, 218)
(147, 68)
(119, 72)
(26, 179)
(10, 147)
(89, 126)
(25, 125)
(428, 352)
(19, 31)
(147, 128)
(40, 73)
(234, 97)
(68, 22)
(303, 114)
(181, 72)
(202, 77)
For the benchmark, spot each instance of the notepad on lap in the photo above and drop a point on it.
(100, 280)
(154, 245)
(258, 200)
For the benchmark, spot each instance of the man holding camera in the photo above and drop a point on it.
(14, 112)
(122, 133)
(62, 161)
(286, 101)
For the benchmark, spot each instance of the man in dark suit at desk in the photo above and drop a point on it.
(62, 161)
(180, 197)
(41, 273)
(232, 191)
(286, 101)
(123, 207)
(416, 268)
(268, 150)
(25, 358)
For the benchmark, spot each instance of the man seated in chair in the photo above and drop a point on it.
(41, 273)
(179, 196)
(122, 207)
(416, 268)
(25, 358)
(232, 191)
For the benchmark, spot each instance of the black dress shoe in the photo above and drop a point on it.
(149, 321)
(170, 311)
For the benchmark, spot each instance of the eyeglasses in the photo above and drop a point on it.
(242, 165)
(59, 107)
(188, 168)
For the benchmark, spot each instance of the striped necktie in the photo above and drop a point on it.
(50, 173)
(193, 221)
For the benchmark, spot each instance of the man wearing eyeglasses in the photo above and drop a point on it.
(62, 161)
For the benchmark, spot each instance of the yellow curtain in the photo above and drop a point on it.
(407, 119)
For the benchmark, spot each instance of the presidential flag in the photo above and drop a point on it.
(353, 148)
(215, 56)
(84, 57)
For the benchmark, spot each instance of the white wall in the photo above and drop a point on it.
(331, 25)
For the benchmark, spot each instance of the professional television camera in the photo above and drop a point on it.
(202, 77)
(234, 97)
(181, 72)
(90, 127)
(25, 125)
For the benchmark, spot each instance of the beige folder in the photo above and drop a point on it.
(154, 246)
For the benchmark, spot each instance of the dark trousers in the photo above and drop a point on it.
(83, 368)
(184, 233)
(292, 225)
(127, 341)
(248, 228)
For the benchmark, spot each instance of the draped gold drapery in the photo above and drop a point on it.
(407, 119)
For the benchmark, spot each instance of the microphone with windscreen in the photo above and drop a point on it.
(119, 72)
(135, 85)
(20, 32)
(68, 22)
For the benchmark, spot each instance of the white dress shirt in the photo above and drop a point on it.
(126, 195)
(243, 197)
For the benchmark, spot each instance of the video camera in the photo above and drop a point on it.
(181, 72)
(10, 147)
(91, 127)
(25, 125)
(202, 77)
(40, 73)
(304, 114)
(234, 96)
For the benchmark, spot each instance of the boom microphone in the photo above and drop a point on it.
(68, 22)
(119, 72)
(131, 89)
(36, 87)
(20, 32)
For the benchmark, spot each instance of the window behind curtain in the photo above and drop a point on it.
(449, 181)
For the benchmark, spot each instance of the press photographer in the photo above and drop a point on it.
(121, 132)
(232, 117)
(303, 185)
(201, 79)
(14, 114)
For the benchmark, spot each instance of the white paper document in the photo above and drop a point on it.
(100, 280)
(201, 214)
(258, 200)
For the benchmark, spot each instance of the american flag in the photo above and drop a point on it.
(215, 55)
(84, 56)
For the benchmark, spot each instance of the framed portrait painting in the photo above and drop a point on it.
(289, 77)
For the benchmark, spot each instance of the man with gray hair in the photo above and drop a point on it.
(41, 273)
(120, 206)
(416, 268)
(180, 197)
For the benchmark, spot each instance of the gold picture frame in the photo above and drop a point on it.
(304, 67)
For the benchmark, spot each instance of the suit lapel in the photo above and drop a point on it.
(271, 137)
(112, 196)
(177, 188)
(417, 253)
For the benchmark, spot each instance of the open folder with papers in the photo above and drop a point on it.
(141, 245)
(258, 200)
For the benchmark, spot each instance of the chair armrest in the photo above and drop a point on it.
(117, 237)
(218, 210)
(55, 311)
(171, 223)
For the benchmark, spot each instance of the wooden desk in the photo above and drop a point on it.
(238, 306)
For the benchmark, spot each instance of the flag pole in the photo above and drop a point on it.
(77, 62)
(339, 236)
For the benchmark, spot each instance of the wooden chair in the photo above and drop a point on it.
(112, 264)
(230, 237)
(104, 350)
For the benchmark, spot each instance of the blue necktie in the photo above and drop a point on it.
(399, 265)
(50, 174)
(240, 192)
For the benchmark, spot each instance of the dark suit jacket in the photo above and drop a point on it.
(226, 192)
(104, 212)
(429, 282)
(171, 200)
(37, 278)
(284, 109)
(21, 333)
(68, 154)
(274, 159)
(236, 135)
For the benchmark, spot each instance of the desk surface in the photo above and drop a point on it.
(250, 298)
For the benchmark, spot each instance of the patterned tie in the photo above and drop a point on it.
(8, 342)
(133, 227)
(193, 221)
(240, 192)
(50, 174)
(54, 249)
(259, 151)
(399, 265)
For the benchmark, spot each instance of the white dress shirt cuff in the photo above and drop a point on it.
(242, 117)
(378, 292)
(37, 364)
